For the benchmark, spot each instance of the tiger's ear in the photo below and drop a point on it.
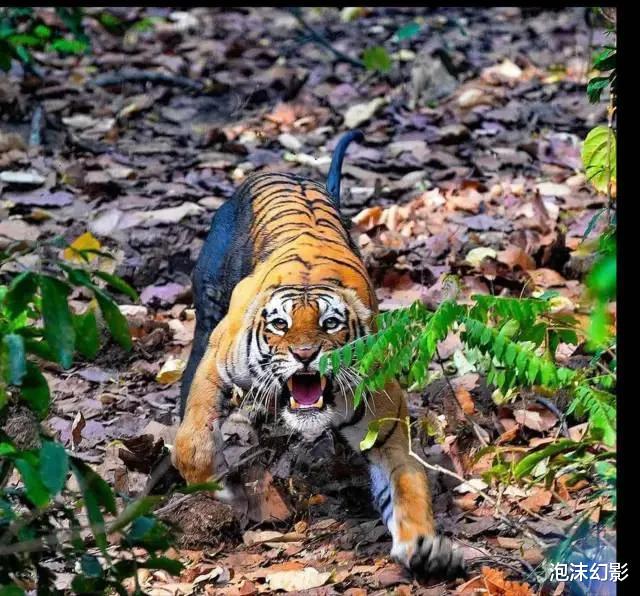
(255, 307)
(363, 313)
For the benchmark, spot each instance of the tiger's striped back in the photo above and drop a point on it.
(299, 236)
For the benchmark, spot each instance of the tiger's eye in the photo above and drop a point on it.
(279, 324)
(331, 323)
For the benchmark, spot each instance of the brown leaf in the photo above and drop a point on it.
(368, 218)
(539, 499)
(547, 278)
(303, 579)
(497, 585)
(465, 400)
(515, 256)
(266, 502)
(355, 592)
(252, 537)
(577, 432)
(76, 430)
(473, 587)
(467, 502)
(508, 435)
(392, 575)
(510, 543)
(284, 114)
(534, 556)
(540, 420)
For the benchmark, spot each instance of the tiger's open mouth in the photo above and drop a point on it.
(306, 391)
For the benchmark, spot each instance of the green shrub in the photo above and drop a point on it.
(40, 517)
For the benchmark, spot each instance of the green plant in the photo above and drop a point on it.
(23, 31)
(40, 517)
(512, 340)
(599, 159)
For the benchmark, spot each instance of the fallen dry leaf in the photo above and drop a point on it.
(171, 371)
(86, 241)
(252, 537)
(476, 255)
(497, 585)
(467, 502)
(471, 485)
(547, 278)
(304, 579)
(515, 256)
(22, 178)
(169, 215)
(76, 430)
(473, 587)
(361, 112)
(539, 499)
(540, 420)
(465, 400)
(368, 218)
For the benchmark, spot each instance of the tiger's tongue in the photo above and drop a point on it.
(306, 389)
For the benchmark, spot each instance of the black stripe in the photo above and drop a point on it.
(322, 221)
(376, 498)
(345, 264)
(357, 416)
(393, 470)
(381, 441)
(275, 199)
(264, 180)
(284, 262)
(274, 212)
(386, 503)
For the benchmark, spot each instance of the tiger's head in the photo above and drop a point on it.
(288, 331)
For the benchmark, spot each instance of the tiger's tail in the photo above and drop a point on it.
(335, 170)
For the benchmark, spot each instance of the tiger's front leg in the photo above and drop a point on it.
(194, 451)
(401, 494)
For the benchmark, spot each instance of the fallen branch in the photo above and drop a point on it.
(323, 41)
(134, 75)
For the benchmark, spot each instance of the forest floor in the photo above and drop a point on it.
(470, 166)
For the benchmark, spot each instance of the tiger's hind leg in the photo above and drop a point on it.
(401, 492)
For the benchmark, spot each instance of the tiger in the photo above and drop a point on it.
(278, 283)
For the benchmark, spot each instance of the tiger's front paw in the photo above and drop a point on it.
(431, 556)
(193, 453)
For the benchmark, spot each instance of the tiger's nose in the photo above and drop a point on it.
(305, 353)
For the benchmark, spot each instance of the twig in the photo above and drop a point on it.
(491, 557)
(35, 137)
(611, 108)
(320, 39)
(134, 75)
(543, 401)
(498, 513)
